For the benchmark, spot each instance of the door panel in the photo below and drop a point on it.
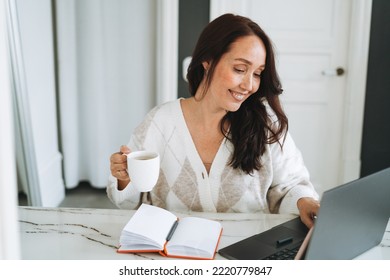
(310, 37)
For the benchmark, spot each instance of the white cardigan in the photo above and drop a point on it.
(184, 184)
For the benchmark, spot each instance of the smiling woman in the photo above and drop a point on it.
(139, 68)
(226, 148)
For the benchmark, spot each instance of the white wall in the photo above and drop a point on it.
(9, 237)
(35, 23)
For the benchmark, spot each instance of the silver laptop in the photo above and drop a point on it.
(352, 219)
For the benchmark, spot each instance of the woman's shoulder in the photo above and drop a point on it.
(165, 109)
(160, 120)
(164, 115)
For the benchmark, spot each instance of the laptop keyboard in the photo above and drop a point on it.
(285, 254)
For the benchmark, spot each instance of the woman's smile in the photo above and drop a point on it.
(237, 95)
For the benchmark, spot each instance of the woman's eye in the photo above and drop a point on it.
(239, 70)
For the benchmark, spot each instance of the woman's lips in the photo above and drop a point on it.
(237, 96)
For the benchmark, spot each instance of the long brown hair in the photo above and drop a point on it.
(251, 127)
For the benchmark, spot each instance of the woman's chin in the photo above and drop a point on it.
(234, 106)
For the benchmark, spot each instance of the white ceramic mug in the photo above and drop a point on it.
(143, 168)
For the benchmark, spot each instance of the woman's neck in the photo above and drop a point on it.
(203, 112)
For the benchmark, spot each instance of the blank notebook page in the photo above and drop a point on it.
(151, 222)
(196, 232)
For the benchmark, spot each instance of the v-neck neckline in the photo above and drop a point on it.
(192, 146)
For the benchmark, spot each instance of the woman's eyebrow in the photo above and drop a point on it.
(248, 62)
(244, 60)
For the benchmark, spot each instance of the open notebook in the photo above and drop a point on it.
(351, 220)
(153, 229)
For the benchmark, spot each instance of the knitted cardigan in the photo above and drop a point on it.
(185, 185)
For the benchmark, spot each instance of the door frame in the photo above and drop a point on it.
(360, 26)
(167, 50)
(358, 46)
(9, 226)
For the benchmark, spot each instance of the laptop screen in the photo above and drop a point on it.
(352, 218)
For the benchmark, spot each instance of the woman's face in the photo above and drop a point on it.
(237, 74)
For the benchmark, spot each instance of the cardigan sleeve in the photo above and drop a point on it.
(290, 179)
(127, 198)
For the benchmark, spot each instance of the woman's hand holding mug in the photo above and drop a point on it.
(118, 166)
(141, 167)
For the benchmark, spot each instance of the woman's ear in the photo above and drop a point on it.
(206, 65)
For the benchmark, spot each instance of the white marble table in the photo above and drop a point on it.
(78, 233)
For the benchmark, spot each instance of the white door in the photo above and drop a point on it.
(311, 41)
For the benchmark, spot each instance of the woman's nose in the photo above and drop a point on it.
(247, 83)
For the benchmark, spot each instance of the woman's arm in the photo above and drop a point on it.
(291, 182)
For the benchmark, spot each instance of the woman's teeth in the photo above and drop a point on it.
(237, 96)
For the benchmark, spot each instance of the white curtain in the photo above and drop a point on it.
(106, 52)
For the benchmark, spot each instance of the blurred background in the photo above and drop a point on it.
(86, 73)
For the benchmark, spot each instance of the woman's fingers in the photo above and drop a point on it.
(125, 150)
(118, 163)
